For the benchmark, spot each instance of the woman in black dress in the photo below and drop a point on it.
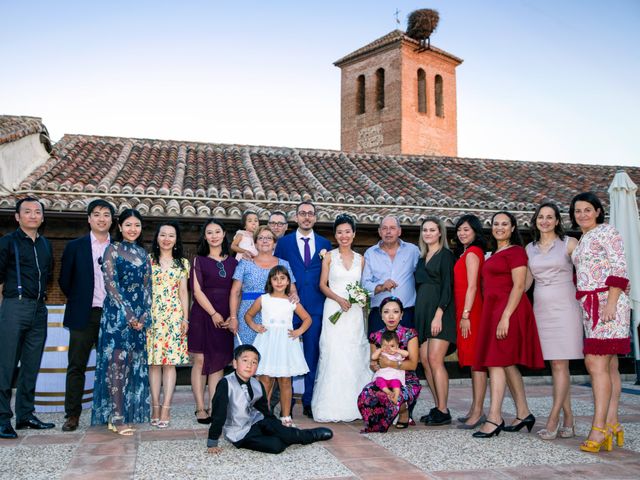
(435, 314)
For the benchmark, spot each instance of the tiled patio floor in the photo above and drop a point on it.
(419, 452)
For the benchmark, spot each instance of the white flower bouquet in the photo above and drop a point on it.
(357, 296)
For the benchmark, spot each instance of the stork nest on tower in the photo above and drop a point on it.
(421, 24)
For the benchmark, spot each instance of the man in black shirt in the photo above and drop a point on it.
(240, 408)
(25, 267)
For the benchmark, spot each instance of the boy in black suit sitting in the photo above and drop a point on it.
(240, 409)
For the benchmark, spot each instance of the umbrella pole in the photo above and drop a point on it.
(636, 347)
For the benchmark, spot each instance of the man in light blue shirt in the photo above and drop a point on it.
(388, 271)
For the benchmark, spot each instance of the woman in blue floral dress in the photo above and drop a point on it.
(377, 410)
(121, 391)
(249, 281)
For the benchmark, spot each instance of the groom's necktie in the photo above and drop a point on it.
(307, 252)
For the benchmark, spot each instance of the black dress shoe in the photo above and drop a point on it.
(528, 422)
(439, 418)
(7, 431)
(427, 417)
(321, 433)
(496, 431)
(306, 410)
(34, 423)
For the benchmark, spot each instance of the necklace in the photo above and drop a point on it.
(503, 247)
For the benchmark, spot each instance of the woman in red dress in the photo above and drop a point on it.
(508, 333)
(468, 300)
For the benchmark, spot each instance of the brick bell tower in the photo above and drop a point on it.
(398, 96)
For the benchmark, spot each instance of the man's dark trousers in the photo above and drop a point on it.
(81, 341)
(270, 436)
(23, 330)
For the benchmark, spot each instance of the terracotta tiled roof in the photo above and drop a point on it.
(183, 179)
(13, 128)
(390, 38)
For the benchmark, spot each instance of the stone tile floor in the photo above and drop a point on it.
(419, 452)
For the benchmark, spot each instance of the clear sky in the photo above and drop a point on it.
(543, 80)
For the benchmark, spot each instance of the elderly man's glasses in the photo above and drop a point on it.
(277, 224)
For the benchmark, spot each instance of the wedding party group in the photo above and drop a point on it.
(275, 305)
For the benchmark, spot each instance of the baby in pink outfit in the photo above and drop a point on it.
(390, 379)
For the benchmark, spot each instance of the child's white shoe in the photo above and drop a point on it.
(287, 422)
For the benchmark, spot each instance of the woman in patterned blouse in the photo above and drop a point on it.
(601, 280)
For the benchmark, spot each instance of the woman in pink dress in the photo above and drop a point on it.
(557, 311)
(601, 270)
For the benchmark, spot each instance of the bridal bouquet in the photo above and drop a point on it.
(357, 296)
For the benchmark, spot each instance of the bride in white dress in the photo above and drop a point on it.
(343, 367)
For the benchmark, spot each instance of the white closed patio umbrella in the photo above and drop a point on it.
(624, 216)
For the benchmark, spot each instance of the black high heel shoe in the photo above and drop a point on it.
(496, 431)
(528, 422)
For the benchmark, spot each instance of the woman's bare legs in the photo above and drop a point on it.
(155, 380)
(437, 350)
(561, 395)
(599, 367)
(197, 385)
(168, 387)
(516, 387)
(497, 386)
(424, 360)
(478, 391)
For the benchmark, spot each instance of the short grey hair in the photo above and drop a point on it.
(390, 216)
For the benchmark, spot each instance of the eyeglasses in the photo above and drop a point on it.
(277, 224)
(221, 271)
(307, 214)
(265, 239)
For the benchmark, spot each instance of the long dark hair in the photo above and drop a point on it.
(268, 288)
(558, 229)
(476, 226)
(178, 250)
(128, 213)
(203, 245)
(588, 197)
(515, 238)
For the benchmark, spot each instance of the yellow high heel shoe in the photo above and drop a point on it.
(594, 447)
(617, 432)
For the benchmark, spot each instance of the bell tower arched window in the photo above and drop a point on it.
(380, 88)
(360, 96)
(422, 91)
(439, 97)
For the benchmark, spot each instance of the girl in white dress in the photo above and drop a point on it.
(343, 367)
(244, 243)
(281, 354)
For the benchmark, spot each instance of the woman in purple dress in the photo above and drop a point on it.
(211, 330)
(376, 408)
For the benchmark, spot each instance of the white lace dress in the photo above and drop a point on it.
(343, 368)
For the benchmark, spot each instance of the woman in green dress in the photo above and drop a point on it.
(435, 314)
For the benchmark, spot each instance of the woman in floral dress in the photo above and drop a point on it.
(376, 408)
(166, 339)
(601, 270)
(249, 282)
(121, 391)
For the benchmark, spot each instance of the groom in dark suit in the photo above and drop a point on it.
(302, 250)
(82, 283)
